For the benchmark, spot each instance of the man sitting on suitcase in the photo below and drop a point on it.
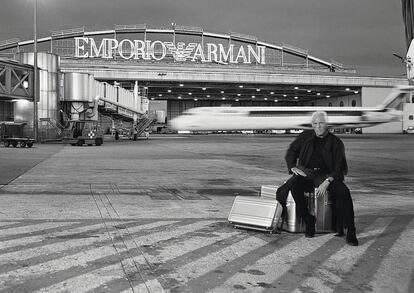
(317, 159)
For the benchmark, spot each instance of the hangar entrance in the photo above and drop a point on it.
(173, 98)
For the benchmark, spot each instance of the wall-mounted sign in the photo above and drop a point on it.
(158, 50)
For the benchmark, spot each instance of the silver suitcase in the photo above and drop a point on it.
(268, 191)
(257, 213)
(320, 207)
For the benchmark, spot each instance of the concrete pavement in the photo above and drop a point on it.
(151, 216)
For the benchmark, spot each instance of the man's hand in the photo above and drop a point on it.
(322, 190)
(298, 172)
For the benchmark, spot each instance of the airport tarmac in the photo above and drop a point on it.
(151, 216)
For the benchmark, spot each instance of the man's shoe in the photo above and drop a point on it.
(310, 227)
(351, 238)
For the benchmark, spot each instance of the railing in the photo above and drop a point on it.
(67, 33)
(55, 125)
(9, 43)
(130, 28)
(294, 50)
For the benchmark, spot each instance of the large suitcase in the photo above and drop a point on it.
(320, 207)
(268, 191)
(257, 213)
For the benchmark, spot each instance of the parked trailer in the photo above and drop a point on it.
(21, 141)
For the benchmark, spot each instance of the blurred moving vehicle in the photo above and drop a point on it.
(255, 118)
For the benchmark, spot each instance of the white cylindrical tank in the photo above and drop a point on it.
(77, 87)
(48, 105)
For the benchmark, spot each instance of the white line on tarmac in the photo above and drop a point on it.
(178, 249)
(395, 271)
(70, 243)
(39, 238)
(35, 227)
(153, 285)
(276, 264)
(7, 223)
(84, 258)
(213, 260)
(174, 250)
(86, 282)
(337, 265)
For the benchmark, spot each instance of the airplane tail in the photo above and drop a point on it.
(397, 97)
(410, 63)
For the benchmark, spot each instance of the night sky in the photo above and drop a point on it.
(361, 34)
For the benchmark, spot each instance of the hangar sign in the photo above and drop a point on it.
(158, 50)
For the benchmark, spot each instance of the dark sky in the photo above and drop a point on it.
(361, 34)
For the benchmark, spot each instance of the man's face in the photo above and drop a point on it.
(320, 126)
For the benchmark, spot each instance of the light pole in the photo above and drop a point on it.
(35, 75)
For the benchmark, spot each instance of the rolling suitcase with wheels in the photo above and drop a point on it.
(320, 207)
(255, 213)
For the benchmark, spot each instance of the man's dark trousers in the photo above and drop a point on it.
(340, 195)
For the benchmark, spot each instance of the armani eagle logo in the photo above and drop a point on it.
(180, 52)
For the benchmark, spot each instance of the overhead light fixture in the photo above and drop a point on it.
(276, 101)
(296, 98)
(238, 95)
(222, 92)
(203, 88)
(318, 94)
(285, 96)
(309, 91)
(160, 95)
(328, 96)
(347, 89)
(223, 98)
(181, 84)
(169, 91)
(190, 94)
(152, 98)
(237, 100)
(179, 97)
(208, 96)
(355, 92)
(241, 86)
(257, 90)
(195, 99)
(296, 88)
(272, 93)
(265, 99)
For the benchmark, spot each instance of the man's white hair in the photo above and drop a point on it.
(319, 114)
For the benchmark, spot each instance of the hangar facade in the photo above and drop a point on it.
(172, 69)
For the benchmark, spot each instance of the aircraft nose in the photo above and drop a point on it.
(176, 123)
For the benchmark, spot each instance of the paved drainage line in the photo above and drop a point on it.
(113, 243)
(127, 231)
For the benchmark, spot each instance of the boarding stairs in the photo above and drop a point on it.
(143, 124)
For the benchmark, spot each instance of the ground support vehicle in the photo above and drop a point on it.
(82, 132)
